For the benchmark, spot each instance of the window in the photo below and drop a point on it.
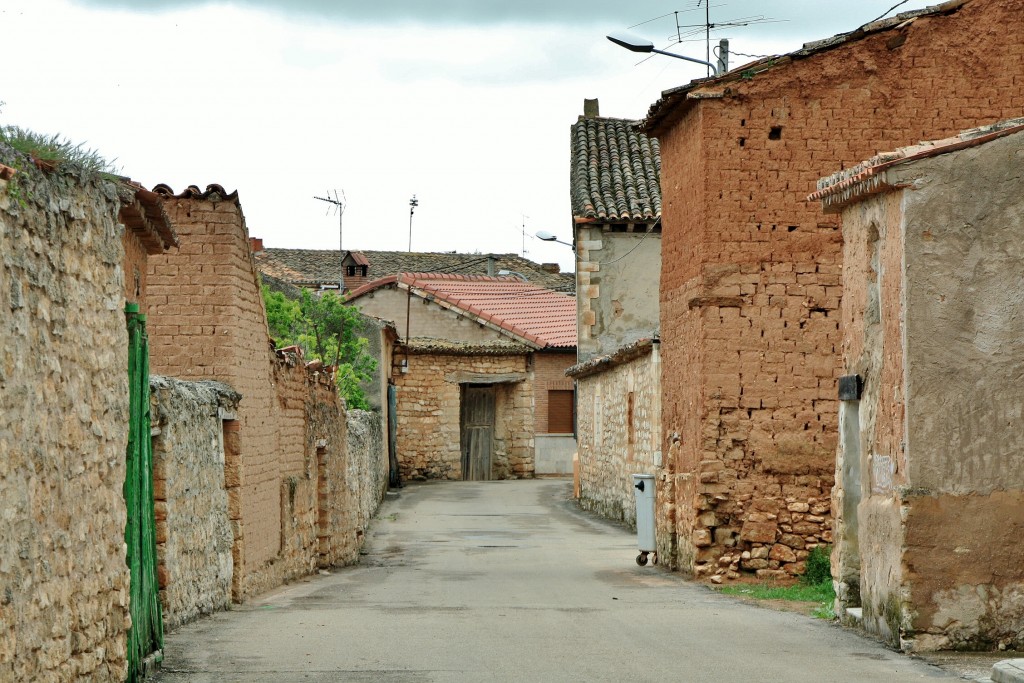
(560, 411)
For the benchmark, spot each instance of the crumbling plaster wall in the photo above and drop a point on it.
(618, 283)
(750, 270)
(63, 427)
(941, 566)
(427, 318)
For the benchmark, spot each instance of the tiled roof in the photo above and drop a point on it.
(866, 178)
(541, 317)
(615, 173)
(321, 266)
(450, 347)
(143, 213)
(622, 355)
(709, 88)
(214, 192)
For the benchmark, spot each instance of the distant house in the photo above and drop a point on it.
(324, 268)
(480, 374)
(616, 208)
(930, 467)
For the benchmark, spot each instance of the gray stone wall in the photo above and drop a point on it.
(618, 413)
(63, 428)
(367, 467)
(194, 534)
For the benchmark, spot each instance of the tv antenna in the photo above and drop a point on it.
(687, 32)
(339, 208)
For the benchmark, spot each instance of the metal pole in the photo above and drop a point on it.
(413, 203)
(339, 204)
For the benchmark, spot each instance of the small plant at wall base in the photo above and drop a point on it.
(815, 586)
(326, 329)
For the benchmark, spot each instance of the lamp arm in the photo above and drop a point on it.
(689, 59)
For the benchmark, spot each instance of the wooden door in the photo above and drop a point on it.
(477, 431)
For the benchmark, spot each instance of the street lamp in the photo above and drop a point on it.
(637, 44)
(546, 236)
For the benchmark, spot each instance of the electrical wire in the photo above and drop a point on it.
(887, 11)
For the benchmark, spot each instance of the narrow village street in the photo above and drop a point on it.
(509, 581)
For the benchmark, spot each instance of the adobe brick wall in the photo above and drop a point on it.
(429, 400)
(615, 440)
(750, 274)
(213, 326)
(63, 428)
(549, 375)
(135, 268)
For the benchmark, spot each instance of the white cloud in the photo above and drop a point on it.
(472, 117)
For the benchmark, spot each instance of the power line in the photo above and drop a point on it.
(887, 11)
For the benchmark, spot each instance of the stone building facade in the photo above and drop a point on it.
(430, 402)
(751, 272)
(929, 485)
(619, 427)
(64, 409)
(470, 319)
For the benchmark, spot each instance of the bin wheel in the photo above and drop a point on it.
(641, 559)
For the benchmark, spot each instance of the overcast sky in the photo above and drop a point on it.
(466, 103)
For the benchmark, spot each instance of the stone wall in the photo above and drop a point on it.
(63, 427)
(750, 270)
(618, 413)
(429, 400)
(193, 531)
(367, 475)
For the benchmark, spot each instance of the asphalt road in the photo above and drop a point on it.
(509, 581)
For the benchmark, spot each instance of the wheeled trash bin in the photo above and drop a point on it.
(643, 490)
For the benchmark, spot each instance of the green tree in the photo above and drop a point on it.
(325, 328)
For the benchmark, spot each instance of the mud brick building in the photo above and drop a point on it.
(751, 271)
(930, 469)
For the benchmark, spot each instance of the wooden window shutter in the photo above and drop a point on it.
(560, 411)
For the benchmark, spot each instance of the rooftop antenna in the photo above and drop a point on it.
(687, 32)
(708, 25)
(524, 235)
(339, 207)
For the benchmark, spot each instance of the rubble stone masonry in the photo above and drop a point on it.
(751, 270)
(619, 427)
(63, 428)
(429, 400)
(189, 421)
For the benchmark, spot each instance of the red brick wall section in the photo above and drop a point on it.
(210, 324)
(549, 375)
(750, 278)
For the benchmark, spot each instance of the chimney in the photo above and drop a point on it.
(551, 268)
(491, 261)
(591, 109)
(256, 244)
